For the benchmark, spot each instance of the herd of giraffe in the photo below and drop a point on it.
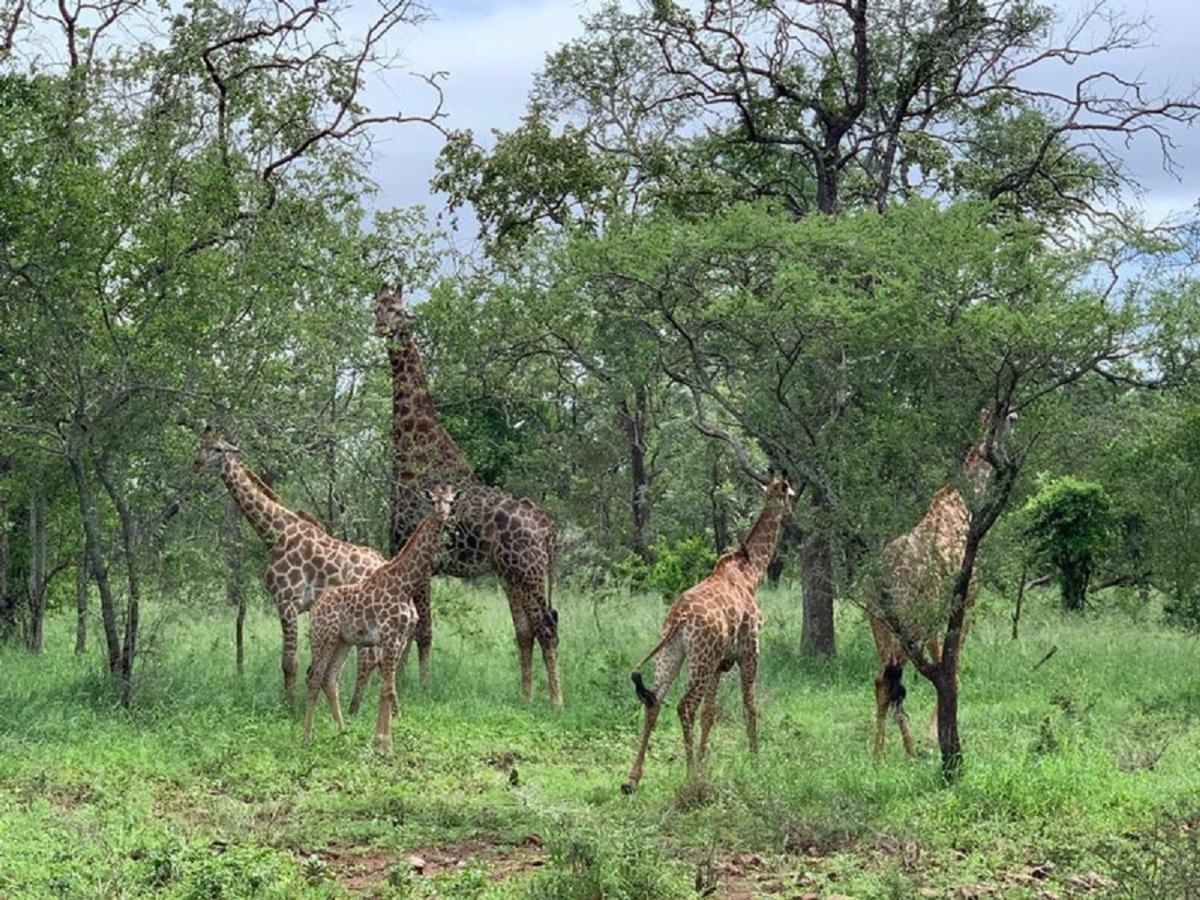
(446, 521)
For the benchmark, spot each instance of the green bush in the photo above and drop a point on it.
(1070, 523)
(676, 566)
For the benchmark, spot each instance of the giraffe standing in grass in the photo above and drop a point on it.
(917, 570)
(304, 558)
(490, 529)
(714, 626)
(378, 611)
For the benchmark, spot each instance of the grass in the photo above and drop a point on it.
(1080, 775)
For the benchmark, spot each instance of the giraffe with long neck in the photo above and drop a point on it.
(915, 573)
(490, 529)
(305, 560)
(713, 626)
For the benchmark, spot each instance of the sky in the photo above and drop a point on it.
(491, 50)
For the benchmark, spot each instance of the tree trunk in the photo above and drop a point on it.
(81, 603)
(816, 562)
(99, 572)
(790, 535)
(1073, 584)
(129, 646)
(7, 603)
(37, 567)
(634, 423)
(720, 516)
(235, 584)
(1016, 616)
(946, 685)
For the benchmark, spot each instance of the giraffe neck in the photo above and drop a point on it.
(424, 451)
(259, 504)
(759, 545)
(416, 556)
(951, 513)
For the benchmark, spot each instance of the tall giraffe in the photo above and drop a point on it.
(916, 571)
(304, 559)
(714, 626)
(490, 531)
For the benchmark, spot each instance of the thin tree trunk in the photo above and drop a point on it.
(81, 602)
(720, 516)
(634, 423)
(235, 584)
(99, 572)
(37, 567)
(816, 561)
(129, 548)
(1016, 616)
(6, 603)
(946, 686)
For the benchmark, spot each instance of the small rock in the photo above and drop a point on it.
(416, 864)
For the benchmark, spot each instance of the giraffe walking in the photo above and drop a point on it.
(916, 571)
(490, 529)
(376, 612)
(714, 626)
(305, 560)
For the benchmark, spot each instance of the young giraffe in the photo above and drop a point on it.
(304, 558)
(916, 571)
(376, 612)
(714, 625)
(491, 530)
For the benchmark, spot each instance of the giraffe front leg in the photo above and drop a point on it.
(525, 653)
(331, 681)
(548, 639)
(316, 677)
(387, 697)
(747, 671)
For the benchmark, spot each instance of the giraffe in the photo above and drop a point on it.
(916, 570)
(490, 530)
(376, 612)
(304, 559)
(714, 626)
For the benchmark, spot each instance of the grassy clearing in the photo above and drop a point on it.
(1078, 773)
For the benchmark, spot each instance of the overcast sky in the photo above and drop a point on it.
(492, 49)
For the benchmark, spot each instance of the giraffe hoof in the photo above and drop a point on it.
(628, 788)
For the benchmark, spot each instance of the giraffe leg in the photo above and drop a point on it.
(316, 676)
(387, 697)
(548, 639)
(362, 676)
(525, 652)
(708, 715)
(332, 680)
(882, 702)
(748, 670)
(664, 674)
(424, 633)
(697, 688)
(288, 619)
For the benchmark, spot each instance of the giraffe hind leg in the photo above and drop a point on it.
(665, 672)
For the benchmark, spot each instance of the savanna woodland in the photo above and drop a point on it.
(826, 346)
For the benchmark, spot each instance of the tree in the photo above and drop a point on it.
(1070, 522)
(173, 189)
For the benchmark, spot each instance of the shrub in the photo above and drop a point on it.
(676, 566)
(1071, 523)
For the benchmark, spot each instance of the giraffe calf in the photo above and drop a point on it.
(379, 611)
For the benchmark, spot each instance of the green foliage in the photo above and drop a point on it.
(674, 567)
(1070, 523)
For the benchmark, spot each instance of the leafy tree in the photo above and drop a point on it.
(1071, 523)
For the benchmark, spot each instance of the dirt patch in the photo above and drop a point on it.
(361, 871)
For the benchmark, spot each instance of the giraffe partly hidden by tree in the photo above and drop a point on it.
(305, 560)
(490, 529)
(915, 575)
(713, 626)
(378, 611)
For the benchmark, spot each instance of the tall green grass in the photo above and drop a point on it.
(203, 788)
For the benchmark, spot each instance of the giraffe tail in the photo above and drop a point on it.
(644, 693)
(892, 675)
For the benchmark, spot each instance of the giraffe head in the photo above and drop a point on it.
(977, 466)
(442, 499)
(212, 451)
(392, 318)
(779, 491)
